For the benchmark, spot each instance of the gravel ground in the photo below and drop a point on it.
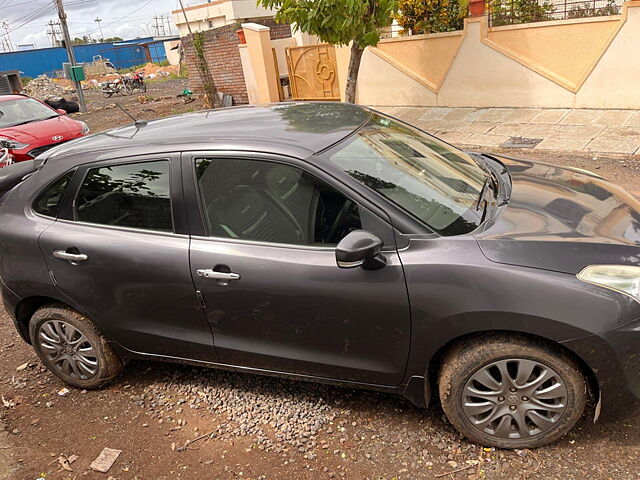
(176, 421)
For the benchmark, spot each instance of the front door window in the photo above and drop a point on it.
(272, 202)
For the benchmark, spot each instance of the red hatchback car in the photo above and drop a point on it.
(28, 127)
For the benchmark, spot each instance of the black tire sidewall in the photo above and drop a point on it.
(109, 365)
(470, 360)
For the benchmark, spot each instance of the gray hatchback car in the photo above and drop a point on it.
(329, 242)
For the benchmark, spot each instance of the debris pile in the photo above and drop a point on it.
(42, 87)
(152, 70)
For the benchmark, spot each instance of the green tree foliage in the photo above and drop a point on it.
(86, 40)
(338, 22)
(431, 16)
(587, 9)
(509, 12)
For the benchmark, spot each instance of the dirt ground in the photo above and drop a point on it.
(160, 100)
(180, 422)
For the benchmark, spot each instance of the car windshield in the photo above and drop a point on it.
(23, 110)
(432, 181)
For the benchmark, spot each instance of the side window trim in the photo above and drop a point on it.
(67, 212)
(196, 212)
(65, 195)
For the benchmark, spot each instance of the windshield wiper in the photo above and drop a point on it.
(32, 120)
(489, 184)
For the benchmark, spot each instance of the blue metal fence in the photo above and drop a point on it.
(47, 60)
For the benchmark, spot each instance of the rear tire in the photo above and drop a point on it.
(73, 349)
(511, 391)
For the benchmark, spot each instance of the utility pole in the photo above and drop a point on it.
(52, 31)
(164, 32)
(159, 25)
(168, 19)
(5, 25)
(98, 20)
(70, 54)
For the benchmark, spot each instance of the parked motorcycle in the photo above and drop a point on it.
(118, 86)
(137, 82)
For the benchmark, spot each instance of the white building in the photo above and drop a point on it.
(216, 13)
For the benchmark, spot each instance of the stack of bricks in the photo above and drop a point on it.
(223, 56)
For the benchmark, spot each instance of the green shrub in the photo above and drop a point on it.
(509, 12)
(588, 10)
(431, 16)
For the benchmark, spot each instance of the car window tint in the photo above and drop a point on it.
(271, 202)
(49, 201)
(130, 195)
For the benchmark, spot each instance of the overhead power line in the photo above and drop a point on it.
(123, 17)
(30, 18)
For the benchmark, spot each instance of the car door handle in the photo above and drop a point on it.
(71, 257)
(209, 273)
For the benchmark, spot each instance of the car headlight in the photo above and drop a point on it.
(621, 278)
(12, 144)
(85, 128)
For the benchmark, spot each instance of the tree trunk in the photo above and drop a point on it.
(352, 75)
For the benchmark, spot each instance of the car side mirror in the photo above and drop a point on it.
(61, 111)
(360, 249)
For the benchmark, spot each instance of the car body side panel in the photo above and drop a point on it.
(490, 296)
(294, 309)
(136, 285)
(22, 267)
(614, 359)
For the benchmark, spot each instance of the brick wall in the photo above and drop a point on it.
(223, 57)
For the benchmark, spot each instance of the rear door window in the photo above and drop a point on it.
(135, 195)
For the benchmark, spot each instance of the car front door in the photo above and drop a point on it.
(264, 233)
(120, 252)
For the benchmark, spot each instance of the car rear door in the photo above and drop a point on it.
(262, 253)
(119, 252)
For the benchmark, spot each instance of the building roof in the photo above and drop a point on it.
(295, 129)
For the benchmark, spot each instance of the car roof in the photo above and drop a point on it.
(295, 129)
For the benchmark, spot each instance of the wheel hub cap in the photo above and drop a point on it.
(68, 350)
(514, 398)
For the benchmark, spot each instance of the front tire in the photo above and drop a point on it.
(73, 349)
(511, 392)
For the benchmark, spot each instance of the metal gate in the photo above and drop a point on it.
(313, 74)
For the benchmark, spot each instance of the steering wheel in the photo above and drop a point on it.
(342, 214)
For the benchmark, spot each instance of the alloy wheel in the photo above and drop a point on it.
(514, 398)
(68, 350)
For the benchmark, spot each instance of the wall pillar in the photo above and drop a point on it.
(343, 55)
(261, 57)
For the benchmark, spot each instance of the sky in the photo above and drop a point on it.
(27, 19)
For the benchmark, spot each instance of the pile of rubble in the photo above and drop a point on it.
(43, 88)
(151, 70)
